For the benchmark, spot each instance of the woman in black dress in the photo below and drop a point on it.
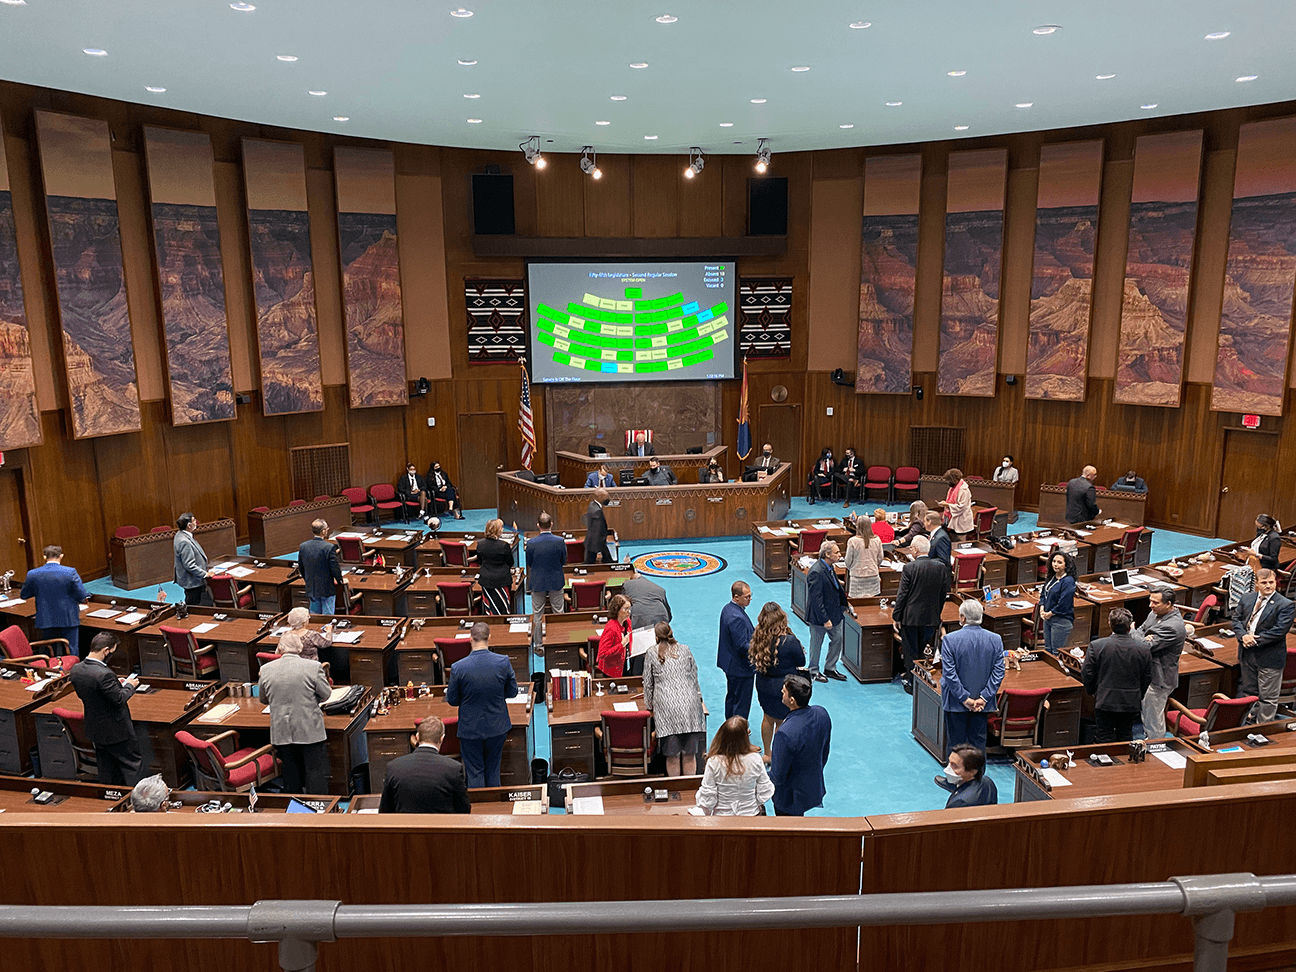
(775, 653)
(495, 569)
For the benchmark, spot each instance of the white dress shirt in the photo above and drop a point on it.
(1256, 611)
(723, 795)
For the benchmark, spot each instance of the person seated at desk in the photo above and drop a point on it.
(601, 478)
(917, 526)
(1006, 472)
(766, 463)
(443, 491)
(711, 472)
(659, 475)
(849, 474)
(150, 795)
(735, 783)
(1082, 498)
(881, 528)
(820, 483)
(674, 697)
(641, 446)
(614, 643)
(411, 490)
(424, 781)
(965, 772)
(1130, 483)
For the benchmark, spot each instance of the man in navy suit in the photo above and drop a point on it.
(735, 634)
(317, 559)
(481, 685)
(972, 669)
(546, 555)
(601, 478)
(799, 751)
(1261, 624)
(825, 611)
(942, 546)
(59, 592)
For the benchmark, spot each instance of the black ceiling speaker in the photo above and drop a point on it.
(422, 387)
(918, 392)
(492, 194)
(767, 206)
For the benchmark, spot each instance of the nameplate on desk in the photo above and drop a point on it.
(389, 622)
(515, 796)
(196, 687)
(665, 502)
(612, 502)
(111, 795)
(720, 499)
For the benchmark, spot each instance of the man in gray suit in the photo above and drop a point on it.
(648, 605)
(293, 688)
(1164, 632)
(191, 571)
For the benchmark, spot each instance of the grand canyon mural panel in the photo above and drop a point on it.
(969, 327)
(1255, 325)
(371, 290)
(81, 200)
(888, 261)
(283, 282)
(1154, 308)
(190, 280)
(19, 414)
(1066, 230)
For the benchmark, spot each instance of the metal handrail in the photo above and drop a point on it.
(299, 926)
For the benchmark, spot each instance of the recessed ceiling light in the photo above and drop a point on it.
(861, 25)
(467, 63)
(317, 94)
(341, 117)
(100, 52)
(474, 121)
(960, 128)
(894, 104)
(639, 65)
(1218, 35)
(602, 123)
(462, 12)
(956, 74)
(845, 126)
(801, 68)
(666, 19)
(759, 101)
(1103, 77)
(1046, 29)
(15, 3)
(1148, 107)
(472, 96)
(286, 57)
(242, 7)
(1245, 77)
(618, 97)
(1024, 104)
(726, 124)
(153, 88)
(651, 138)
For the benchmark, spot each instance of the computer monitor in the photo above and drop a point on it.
(1120, 578)
(597, 450)
(626, 477)
(693, 451)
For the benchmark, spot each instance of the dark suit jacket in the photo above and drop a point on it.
(974, 793)
(1270, 650)
(495, 562)
(648, 604)
(480, 684)
(851, 470)
(1081, 500)
(760, 462)
(1138, 486)
(648, 449)
(735, 634)
(425, 782)
(403, 490)
(595, 529)
(825, 598)
(663, 476)
(440, 491)
(107, 715)
(798, 755)
(1117, 672)
(1269, 548)
(942, 548)
(318, 560)
(923, 585)
(546, 555)
(58, 590)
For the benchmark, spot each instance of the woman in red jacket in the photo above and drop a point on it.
(614, 645)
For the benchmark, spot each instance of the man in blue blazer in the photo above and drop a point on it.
(735, 634)
(799, 751)
(942, 546)
(59, 592)
(972, 669)
(1261, 624)
(546, 555)
(481, 685)
(317, 559)
(825, 611)
(601, 478)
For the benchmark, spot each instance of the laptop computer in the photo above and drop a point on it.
(1120, 582)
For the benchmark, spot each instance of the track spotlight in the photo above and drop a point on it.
(589, 163)
(762, 155)
(697, 162)
(531, 150)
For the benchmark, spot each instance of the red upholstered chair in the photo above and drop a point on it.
(967, 569)
(225, 592)
(351, 550)
(1016, 724)
(454, 553)
(161, 529)
(449, 651)
(1287, 693)
(321, 499)
(575, 551)
(260, 509)
(588, 595)
(383, 497)
(126, 532)
(361, 508)
(627, 742)
(1222, 713)
(450, 741)
(906, 482)
(985, 522)
(296, 502)
(1198, 615)
(810, 541)
(631, 433)
(236, 772)
(83, 751)
(17, 648)
(1124, 550)
(187, 659)
(878, 478)
(345, 601)
(456, 598)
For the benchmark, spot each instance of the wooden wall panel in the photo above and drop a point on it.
(560, 192)
(200, 471)
(701, 202)
(607, 200)
(132, 474)
(655, 187)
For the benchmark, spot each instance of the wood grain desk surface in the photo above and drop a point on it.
(1123, 777)
(486, 801)
(626, 797)
(240, 627)
(251, 714)
(374, 634)
(16, 796)
(1281, 735)
(1043, 672)
(587, 711)
(401, 718)
(160, 706)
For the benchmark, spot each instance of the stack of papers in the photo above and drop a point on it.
(224, 565)
(1210, 643)
(204, 628)
(1172, 759)
(348, 637)
(1053, 778)
(241, 571)
(132, 618)
(519, 699)
(12, 602)
(625, 707)
(1020, 605)
(587, 805)
(520, 628)
(217, 713)
(336, 694)
(105, 613)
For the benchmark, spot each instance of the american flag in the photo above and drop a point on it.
(526, 424)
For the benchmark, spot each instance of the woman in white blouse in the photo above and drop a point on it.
(735, 783)
(863, 558)
(958, 503)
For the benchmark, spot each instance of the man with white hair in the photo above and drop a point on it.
(293, 688)
(150, 795)
(972, 669)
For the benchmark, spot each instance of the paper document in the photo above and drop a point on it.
(524, 808)
(696, 812)
(1020, 605)
(348, 637)
(218, 712)
(625, 706)
(587, 805)
(1172, 759)
(523, 628)
(131, 618)
(38, 685)
(1209, 643)
(241, 571)
(204, 628)
(349, 536)
(1083, 533)
(104, 613)
(368, 810)
(642, 639)
(1053, 778)
(12, 602)
(224, 565)
(519, 699)
(463, 634)
(1120, 526)
(280, 631)
(336, 694)
(765, 529)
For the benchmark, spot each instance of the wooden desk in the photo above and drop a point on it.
(1080, 631)
(416, 647)
(369, 660)
(888, 577)
(1061, 719)
(985, 493)
(126, 659)
(389, 735)
(16, 796)
(1204, 769)
(171, 705)
(1030, 549)
(646, 512)
(1225, 656)
(21, 613)
(1197, 578)
(1101, 593)
(573, 468)
(380, 589)
(188, 801)
(17, 723)
(428, 552)
(625, 798)
(487, 801)
(236, 637)
(566, 635)
(270, 580)
(571, 724)
(282, 531)
(1114, 504)
(869, 646)
(149, 558)
(1104, 538)
(994, 567)
(1098, 781)
(772, 545)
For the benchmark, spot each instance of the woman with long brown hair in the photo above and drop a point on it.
(775, 653)
(863, 560)
(735, 783)
(673, 695)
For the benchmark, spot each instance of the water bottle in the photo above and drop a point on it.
(1204, 739)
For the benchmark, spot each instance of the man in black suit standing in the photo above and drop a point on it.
(108, 723)
(641, 446)
(411, 490)
(425, 781)
(1261, 624)
(596, 545)
(1082, 498)
(318, 560)
(924, 583)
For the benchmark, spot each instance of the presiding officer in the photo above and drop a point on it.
(481, 685)
(104, 698)
(318, 560)
(59, 592)
(424, 781)
(191, 570)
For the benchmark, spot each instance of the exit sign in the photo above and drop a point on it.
(1250, 421)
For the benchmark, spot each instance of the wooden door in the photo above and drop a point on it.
(780, 426)
(15, 543)
(1246, 482)
(483, 450)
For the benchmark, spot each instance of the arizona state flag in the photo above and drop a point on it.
(744, 430)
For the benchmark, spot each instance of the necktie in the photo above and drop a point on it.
(1259, 606)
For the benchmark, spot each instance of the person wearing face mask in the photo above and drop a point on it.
(821, 476)
(1267, 542)
(411, 490)
(1006, 472)
(966, 780)
(850, 474)
(105, 698)
(443, 491)
(711, 473)
(764, 465)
